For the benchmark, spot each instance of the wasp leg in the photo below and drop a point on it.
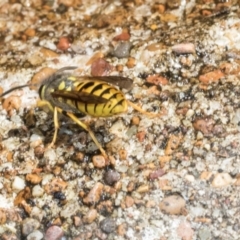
(56, 127)
(43, 103)
(149, 114)
(86, 127)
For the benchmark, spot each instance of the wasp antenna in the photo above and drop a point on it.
(66, 69)
(15, 88)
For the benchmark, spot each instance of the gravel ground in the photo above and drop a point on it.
(171, 177)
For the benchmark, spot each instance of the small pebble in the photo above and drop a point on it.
(157, 80)
(37, 191)
(37, 213)
(90, 216)
(105, 207)
(77, 221)
(141, 136)
(122, 50)
(30, 32)
(108, 225)
(68, 3)
(29, 225)
(18, 184)
(48, 53)
(35, 235)
(9, 236)
(154, 47)
(99, 161)
(57, 170)
(94, 195)
(122, 154)
(135, 120)
(69, 209)
(173, 143)
(150, 204)
(186, 61)
(173, 204)
(185, 231)
(204, 125)
(35, 141)
(129, 201)
(78, 156)
(173, 3)
(156, 174)
(119, 68)
(184, 48)
(3, 216)
(222, 180)
(205, 233)
(211, 77)
(36, 58)
(131, 62)
(11, 103)
(190, 178)
(131, 186)
(33, 178)
(100, 234)
(143, 188)
(122, 229)
(53, 233)
(22, 196)
(100, 67)
(160, 8)
(95, 57)
(111, 177)
(124, 36)
(206, 175)
(50, 155)
(59, 195)
(63, 44)
(55, 185)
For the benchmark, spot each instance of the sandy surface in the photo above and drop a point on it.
(171, 177)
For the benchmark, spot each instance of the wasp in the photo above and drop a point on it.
(72, 95)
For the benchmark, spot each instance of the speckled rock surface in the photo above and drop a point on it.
(184, 60)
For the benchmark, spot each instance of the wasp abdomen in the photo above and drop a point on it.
(115, 100)
(94, 98)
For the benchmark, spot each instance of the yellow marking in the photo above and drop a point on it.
(61, 86)
(42, 92)
(70, 102)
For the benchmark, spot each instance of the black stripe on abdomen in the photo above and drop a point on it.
(85, 86)
(118, 103)
(97, 87)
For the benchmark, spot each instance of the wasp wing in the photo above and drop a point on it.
(122, 82)
(78, 96)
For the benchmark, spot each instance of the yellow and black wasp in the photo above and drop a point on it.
(93, 96)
